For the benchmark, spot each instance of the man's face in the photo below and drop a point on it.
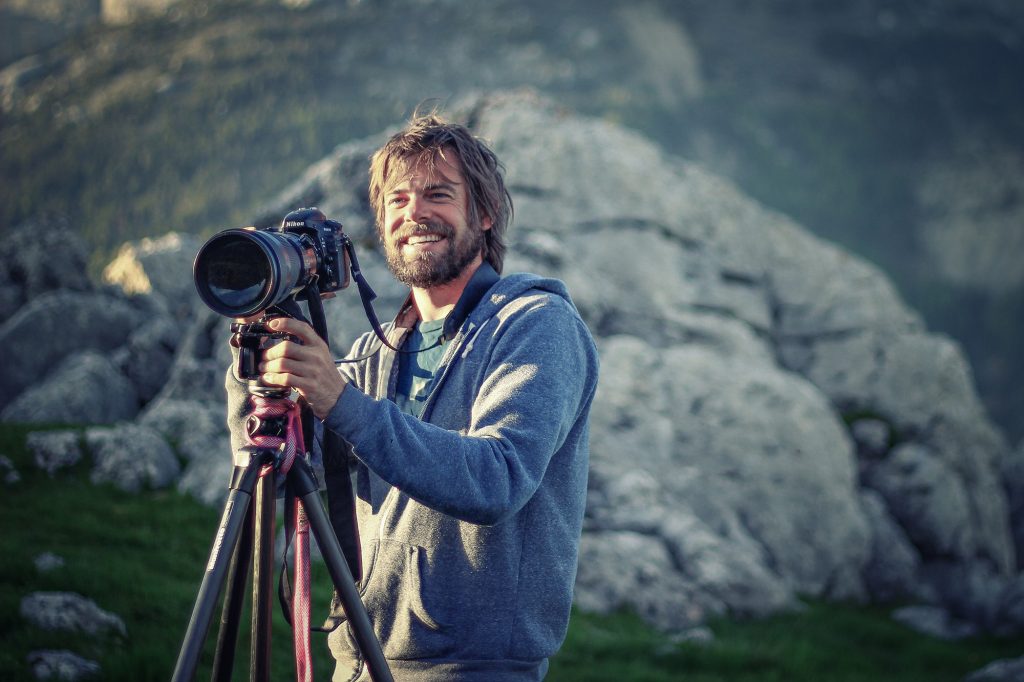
(426, 233)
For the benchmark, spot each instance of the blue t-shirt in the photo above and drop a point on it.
(416, 369)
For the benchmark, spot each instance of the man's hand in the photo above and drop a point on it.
(307, 367)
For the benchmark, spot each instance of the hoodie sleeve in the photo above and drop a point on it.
(539, 379)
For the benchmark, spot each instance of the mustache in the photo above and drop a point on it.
(442, 229)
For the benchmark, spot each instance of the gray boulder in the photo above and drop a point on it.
(207, 478)
(935, 621)
(1003, 670)
(43, 254)
(891, 573)
(200, 432)
(48, 561)
(755, 454)
(69, 612)
(8, 472)
(927, 498)
(50, 664)
(55, 325)
(54, 450)
(86, 388)
(161, 266)
(1013, 479)
(131, 457)
(873, 438)
(731, 342)
(147, 355)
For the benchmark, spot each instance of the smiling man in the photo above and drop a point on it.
(469, 446)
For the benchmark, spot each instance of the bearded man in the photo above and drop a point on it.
(469, 447)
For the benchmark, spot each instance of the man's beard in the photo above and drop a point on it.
(426, 269)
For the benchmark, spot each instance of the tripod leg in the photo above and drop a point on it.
(235, 510)
(300, 477)
(231, 614)
(265, 504)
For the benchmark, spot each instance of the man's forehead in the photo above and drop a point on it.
(436, 169)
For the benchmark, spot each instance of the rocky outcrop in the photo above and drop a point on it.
(772, 420)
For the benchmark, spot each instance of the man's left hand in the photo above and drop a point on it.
(308, 367)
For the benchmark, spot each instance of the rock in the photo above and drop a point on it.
(131, 457)
(1004, 670)
(207, 478)
(69, 612)
(701, 635)
(195, 426)
(8, 471)
(54, 450)
(891, 573)
(757, 456)
(972, 592)
(921, 384)
(86, 388)
(1012, 469)
(44, 254)
(162, 266)
(927, 498)
(1009, 617)
(626, 569)
(934, 621)
(872, 436)
(731, 342)
(48, 561)
(61, 665)
(147, 356)
(39, 336)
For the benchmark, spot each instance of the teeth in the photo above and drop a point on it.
(424, 239)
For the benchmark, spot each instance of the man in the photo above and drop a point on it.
(470, 447)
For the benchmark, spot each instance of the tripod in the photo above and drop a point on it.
(247, 528)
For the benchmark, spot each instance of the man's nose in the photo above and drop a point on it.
(417, 210)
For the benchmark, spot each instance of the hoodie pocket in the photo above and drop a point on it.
(404, 597)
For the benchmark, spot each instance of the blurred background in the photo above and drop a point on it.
(892, 127)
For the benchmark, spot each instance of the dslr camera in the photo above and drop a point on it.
(242, 272)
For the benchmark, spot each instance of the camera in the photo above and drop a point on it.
(242, 272)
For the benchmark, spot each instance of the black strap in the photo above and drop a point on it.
(341, 501)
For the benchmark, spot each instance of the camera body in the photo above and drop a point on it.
(244, 271)
(328, 240)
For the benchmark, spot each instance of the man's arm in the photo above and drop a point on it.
(540, 378)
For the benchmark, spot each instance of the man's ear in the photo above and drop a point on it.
(485, 222)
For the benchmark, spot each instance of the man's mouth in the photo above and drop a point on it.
(423, 239)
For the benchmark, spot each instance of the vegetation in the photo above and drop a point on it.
(190, 120)
(141, 557)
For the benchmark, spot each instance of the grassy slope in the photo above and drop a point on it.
(141, 557)
(191, 124)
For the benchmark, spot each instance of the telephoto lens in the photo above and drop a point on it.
(241, 272)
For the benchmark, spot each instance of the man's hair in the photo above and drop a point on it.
(428, 138)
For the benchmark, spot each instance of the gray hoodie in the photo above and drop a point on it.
(470, 518)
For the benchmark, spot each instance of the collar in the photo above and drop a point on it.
(479, 284)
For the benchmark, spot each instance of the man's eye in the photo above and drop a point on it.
(396, 201)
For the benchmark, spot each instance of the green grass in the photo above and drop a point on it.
(142, 556)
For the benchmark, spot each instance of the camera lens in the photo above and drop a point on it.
(239, 273)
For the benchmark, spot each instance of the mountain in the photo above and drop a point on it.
(891, 127)
(772, 421)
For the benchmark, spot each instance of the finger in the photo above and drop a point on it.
(294, 327)
(285, 349)
(286, 366)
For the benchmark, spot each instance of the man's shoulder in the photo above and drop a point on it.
(535, 297)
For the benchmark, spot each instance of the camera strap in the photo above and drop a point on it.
(366, 294)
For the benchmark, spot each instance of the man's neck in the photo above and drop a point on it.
(436, 302)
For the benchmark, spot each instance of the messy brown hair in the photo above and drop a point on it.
(428, 138)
